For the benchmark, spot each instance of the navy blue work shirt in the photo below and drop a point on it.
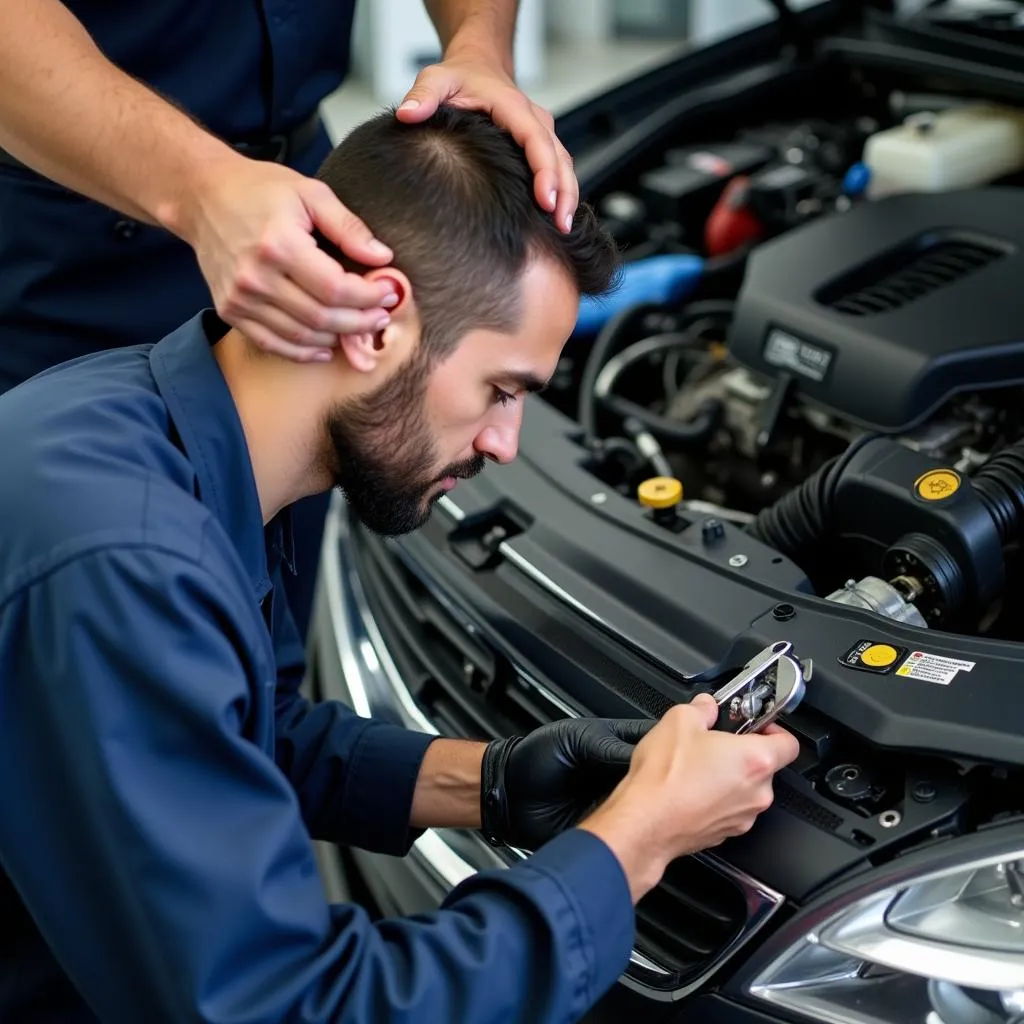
(77, 276)
(164, 777)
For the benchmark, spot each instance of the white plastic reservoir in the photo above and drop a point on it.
(958, 148)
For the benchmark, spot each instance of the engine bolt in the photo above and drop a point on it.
(783, 612)
(712, 530)
(600, 498)
(889, 819)
(924, 792)
(738, 561)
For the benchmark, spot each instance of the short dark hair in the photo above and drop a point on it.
(453, 197)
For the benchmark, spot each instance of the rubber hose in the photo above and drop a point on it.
(697, 430)
(599, 353)
(999, 485)
(604, 344)
(803, 517)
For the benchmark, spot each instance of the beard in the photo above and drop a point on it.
(384, 453)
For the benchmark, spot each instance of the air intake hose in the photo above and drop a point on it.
(802, 518)
(999, 485)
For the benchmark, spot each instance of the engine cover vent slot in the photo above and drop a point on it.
(904, 275)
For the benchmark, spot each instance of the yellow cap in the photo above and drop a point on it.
(937, 484)
(660, 492)
(879, 655)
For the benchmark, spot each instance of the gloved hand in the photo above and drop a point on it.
(533, 787)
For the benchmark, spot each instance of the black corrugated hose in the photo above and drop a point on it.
(999, 485)
(802, 518)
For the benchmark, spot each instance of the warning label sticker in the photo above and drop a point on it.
(932, 668)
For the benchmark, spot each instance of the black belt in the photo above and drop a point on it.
(278, 148)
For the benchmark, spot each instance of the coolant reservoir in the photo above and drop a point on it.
(957, 148)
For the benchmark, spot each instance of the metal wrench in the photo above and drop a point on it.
(770, 684)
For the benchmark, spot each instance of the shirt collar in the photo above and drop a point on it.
(200, 405)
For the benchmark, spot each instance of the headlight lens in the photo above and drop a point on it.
(942, 948)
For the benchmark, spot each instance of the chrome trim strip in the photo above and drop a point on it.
(441, 860)
(475, 627)
(372, 678)
(525, 566)
(372, 672)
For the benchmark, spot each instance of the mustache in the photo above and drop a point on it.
(464, 470)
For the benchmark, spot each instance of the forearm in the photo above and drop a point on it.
(447, 791)
(484, 27)
(70, 114)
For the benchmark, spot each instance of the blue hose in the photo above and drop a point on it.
(665, 279)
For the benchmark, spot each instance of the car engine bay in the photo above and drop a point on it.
(818, 343)
(795, 430)
(823, 340)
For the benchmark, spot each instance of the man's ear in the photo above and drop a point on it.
(391, 345)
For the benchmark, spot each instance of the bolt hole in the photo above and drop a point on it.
(777, 561)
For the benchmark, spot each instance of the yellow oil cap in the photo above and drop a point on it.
(660, 492)
(879, 655)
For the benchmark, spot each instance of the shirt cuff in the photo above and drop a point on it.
(379, 789)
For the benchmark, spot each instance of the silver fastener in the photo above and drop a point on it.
(738, 561)
(600, 498)
(889, 819)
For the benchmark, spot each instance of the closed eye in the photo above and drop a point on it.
(503, 397)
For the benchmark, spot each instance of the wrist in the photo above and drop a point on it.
(447, 793)
(628, 835)
(180, 208)
(479, 47)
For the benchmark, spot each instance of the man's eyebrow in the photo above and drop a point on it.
(525, 381)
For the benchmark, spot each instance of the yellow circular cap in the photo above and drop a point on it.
(937, 484)
(879, 655)
(660, 492)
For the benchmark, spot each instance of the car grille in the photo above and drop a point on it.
(689, 918)
(463, 686)
(467, 690)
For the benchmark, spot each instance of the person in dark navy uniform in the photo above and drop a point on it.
(165, 777)
(154, 159)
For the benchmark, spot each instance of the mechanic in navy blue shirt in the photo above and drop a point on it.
(155, 159)
(165, 776)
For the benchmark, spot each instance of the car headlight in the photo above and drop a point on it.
(935, 944)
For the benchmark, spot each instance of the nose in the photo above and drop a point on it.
(500, 441)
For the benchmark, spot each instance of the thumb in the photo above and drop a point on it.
(706, 705)
(342, 227)
(431, 88)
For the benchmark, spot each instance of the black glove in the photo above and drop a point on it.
(533, 787)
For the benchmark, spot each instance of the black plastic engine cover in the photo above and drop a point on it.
(884, 312)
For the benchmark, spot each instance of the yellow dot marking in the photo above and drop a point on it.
(879, 655)
(937, 484)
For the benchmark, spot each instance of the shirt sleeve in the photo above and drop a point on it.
(163, 855)
(354, 776)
